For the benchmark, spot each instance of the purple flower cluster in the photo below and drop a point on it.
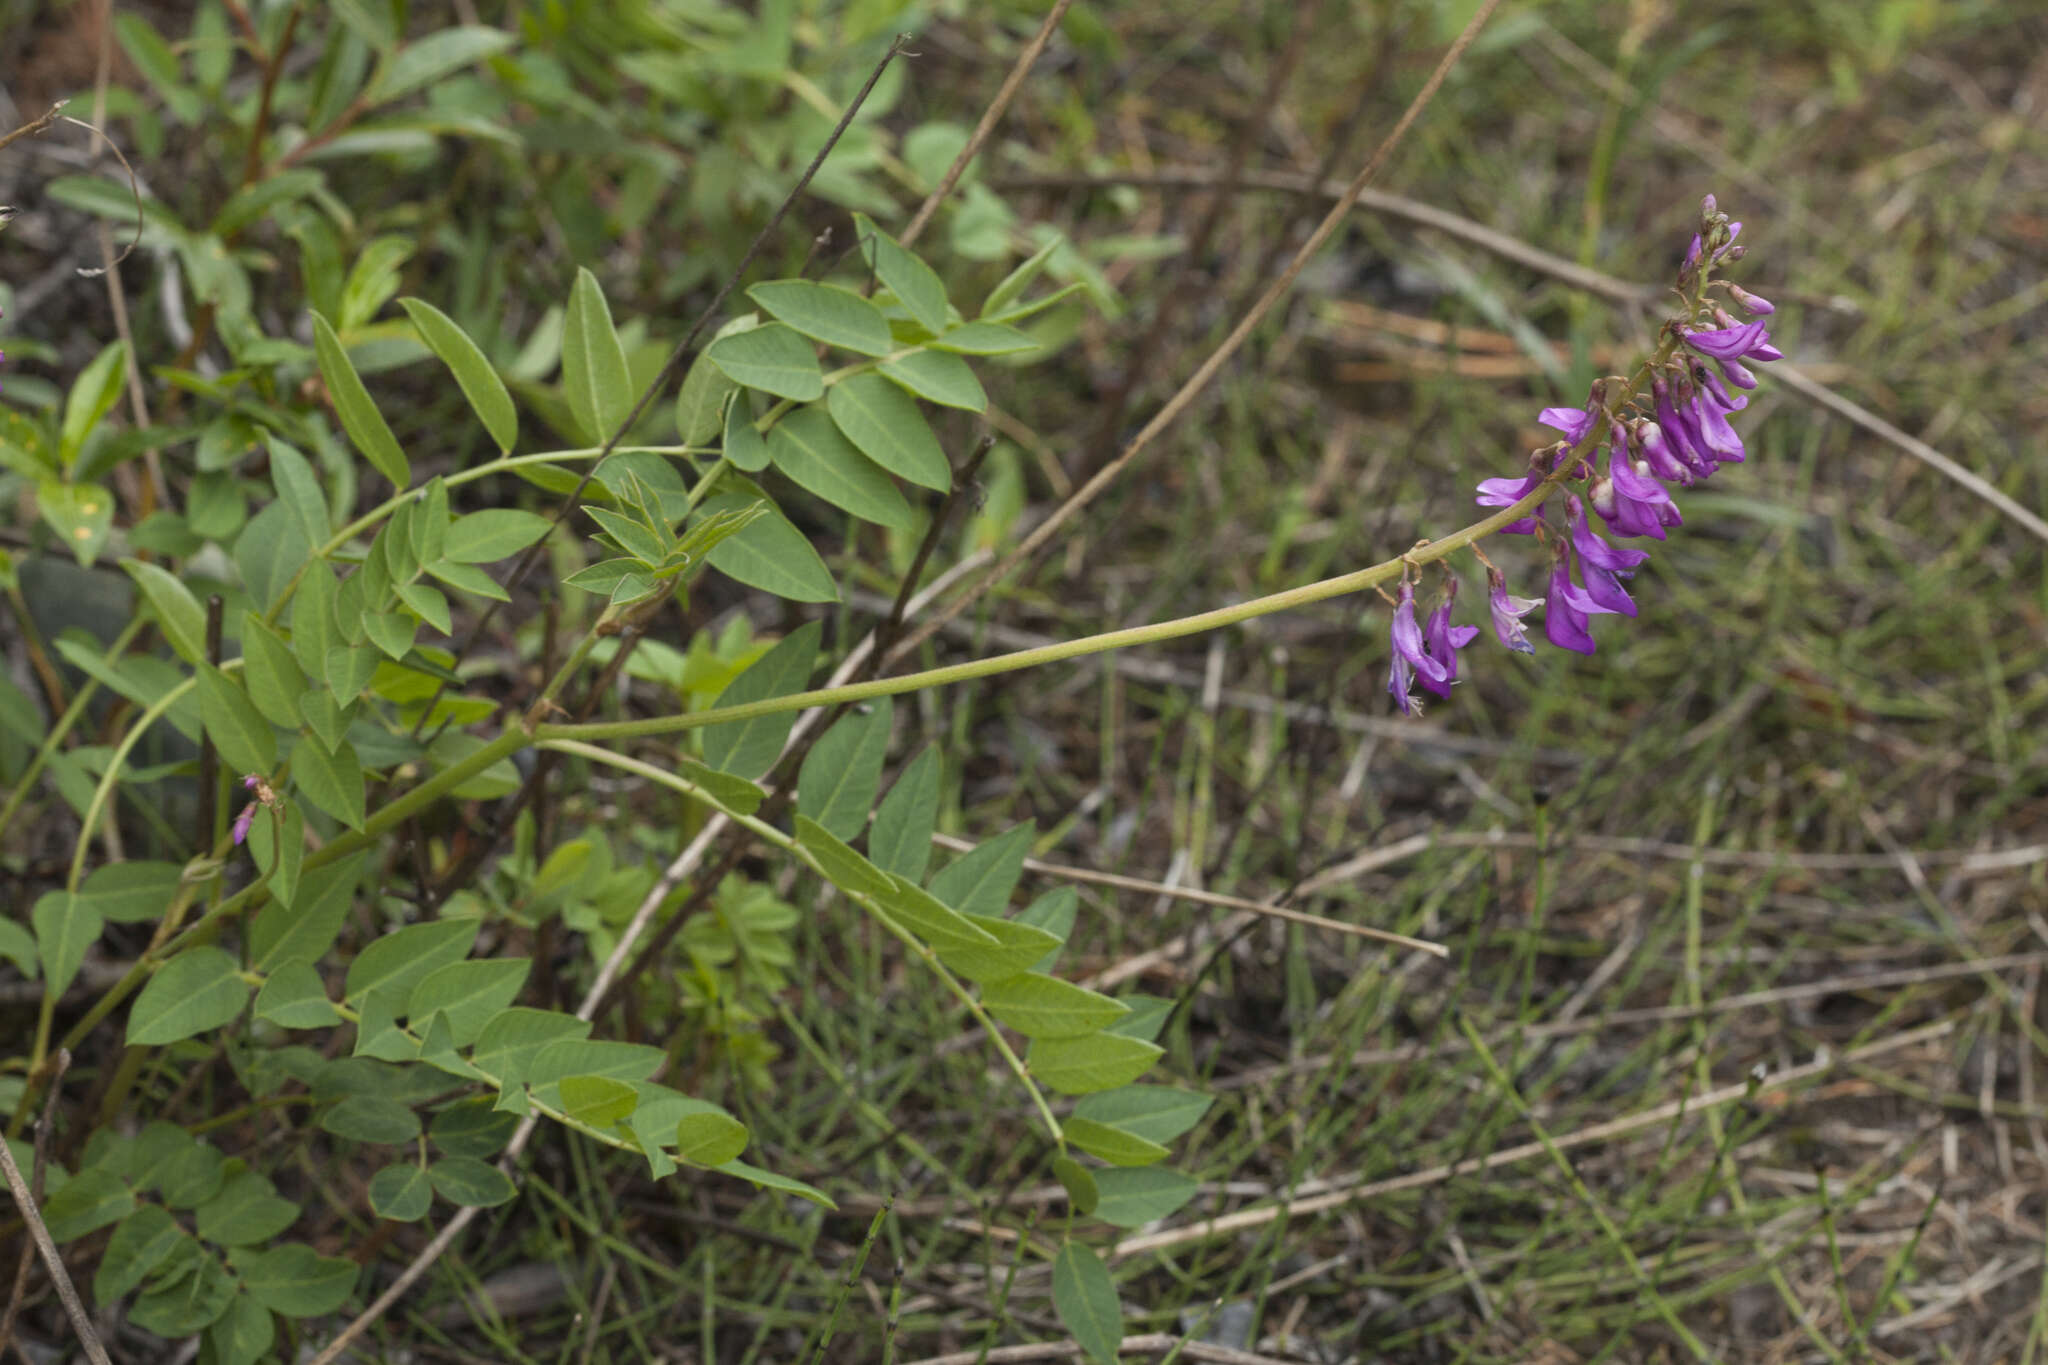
(1676, 435)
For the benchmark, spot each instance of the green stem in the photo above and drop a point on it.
(58, 732)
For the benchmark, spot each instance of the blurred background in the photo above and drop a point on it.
(1745, 911)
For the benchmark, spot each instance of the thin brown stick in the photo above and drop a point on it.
(25, 1198)
(1211, 367)
(1189, 893)
(1151, 1344)
(990, 117)
(35, 125)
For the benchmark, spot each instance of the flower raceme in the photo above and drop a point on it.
(1667, 426)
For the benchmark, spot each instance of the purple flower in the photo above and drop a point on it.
(1656, 451)
(1566, 609)
(1508, 612)
(1593, 550)
(1729, 343)
(1444, 640)
(1712, 387)
(1506, 493)
(1573, 422)
(1678, 432)
(1708, 427)
(1633, 503)
(244, 820)
(1410, 658)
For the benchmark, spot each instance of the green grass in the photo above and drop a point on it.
(1647, 866)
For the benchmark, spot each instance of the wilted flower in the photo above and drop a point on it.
(1508, 612)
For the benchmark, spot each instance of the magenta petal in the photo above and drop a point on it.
(1563, 622)
(243, 821)
(1727, 343)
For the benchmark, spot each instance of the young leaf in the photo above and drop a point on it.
(883, 422)
(1047, 1007)
(700, 403)
(297, 1281)
(1113, 1145)
(333, 782)
(401, 1193)
(748, 748)
(1137, 1195)
(1012, 286)
(984, 338)
(914, 283)
(942, 378)
(825, 312)
(807, 446)
(901, 841)
(67, 925)
(594, 374)
(774, 359)
(1085, 1298)
(843, 771)
(980, 880)
(197, 990)
(178, 613)
(366, 428)
(1094, 1061)
(471, 368)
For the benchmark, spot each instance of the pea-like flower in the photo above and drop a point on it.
(1444, 640)
(1566, 609)
(1411, 658)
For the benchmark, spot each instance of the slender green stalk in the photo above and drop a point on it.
(62, 729)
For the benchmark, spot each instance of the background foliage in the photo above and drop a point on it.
(1793, 814)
